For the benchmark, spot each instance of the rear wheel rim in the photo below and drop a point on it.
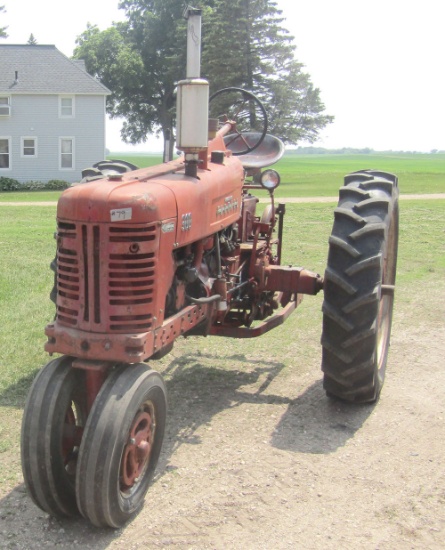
(386, 303)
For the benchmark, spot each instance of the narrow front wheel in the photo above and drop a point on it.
(52, 426)
(121, 445)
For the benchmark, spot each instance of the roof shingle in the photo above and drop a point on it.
(42, 69)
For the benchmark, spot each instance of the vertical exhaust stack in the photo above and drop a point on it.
(193, 98)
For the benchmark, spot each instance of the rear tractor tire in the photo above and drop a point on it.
(359, 287)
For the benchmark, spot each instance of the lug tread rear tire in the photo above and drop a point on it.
(362, 257)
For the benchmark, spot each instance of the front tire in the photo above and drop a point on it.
(121, 445)
(53, 419)
(359, 287)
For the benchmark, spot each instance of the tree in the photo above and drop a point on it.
(31, 40)
(3, 33)
(142, 59)
(246, 46)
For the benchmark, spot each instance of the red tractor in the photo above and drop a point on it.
(145, 256)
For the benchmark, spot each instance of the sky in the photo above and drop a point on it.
(379, 64)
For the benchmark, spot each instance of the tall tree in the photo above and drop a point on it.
(31, 40)
(3, 33)
(247, 46)
(141, 60)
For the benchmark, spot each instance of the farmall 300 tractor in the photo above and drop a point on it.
(149, 255)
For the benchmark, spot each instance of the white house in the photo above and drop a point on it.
(52, 115)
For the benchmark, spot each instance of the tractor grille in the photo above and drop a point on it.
(105, 276)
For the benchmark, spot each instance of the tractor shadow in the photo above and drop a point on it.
(24, 525)
(15, 394)
(197, 392)
(314, 423)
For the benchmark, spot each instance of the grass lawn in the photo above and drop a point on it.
(30, 196)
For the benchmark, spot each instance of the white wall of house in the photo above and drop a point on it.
(38, 129)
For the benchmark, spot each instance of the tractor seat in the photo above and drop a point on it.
(270, 150)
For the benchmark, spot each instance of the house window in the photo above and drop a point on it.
(66, 106)
(29, 147)
(66, 153)
(5, 106)
(5, 152)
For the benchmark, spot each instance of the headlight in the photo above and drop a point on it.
(270, 179)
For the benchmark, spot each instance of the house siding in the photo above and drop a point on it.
(37, 116)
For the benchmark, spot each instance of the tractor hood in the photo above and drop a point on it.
(198, 206)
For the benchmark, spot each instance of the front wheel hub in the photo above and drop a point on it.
(137, 451)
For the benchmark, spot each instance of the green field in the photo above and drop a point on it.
(313, 175)
(322, 175)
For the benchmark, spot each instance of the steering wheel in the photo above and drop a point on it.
(247, 111)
